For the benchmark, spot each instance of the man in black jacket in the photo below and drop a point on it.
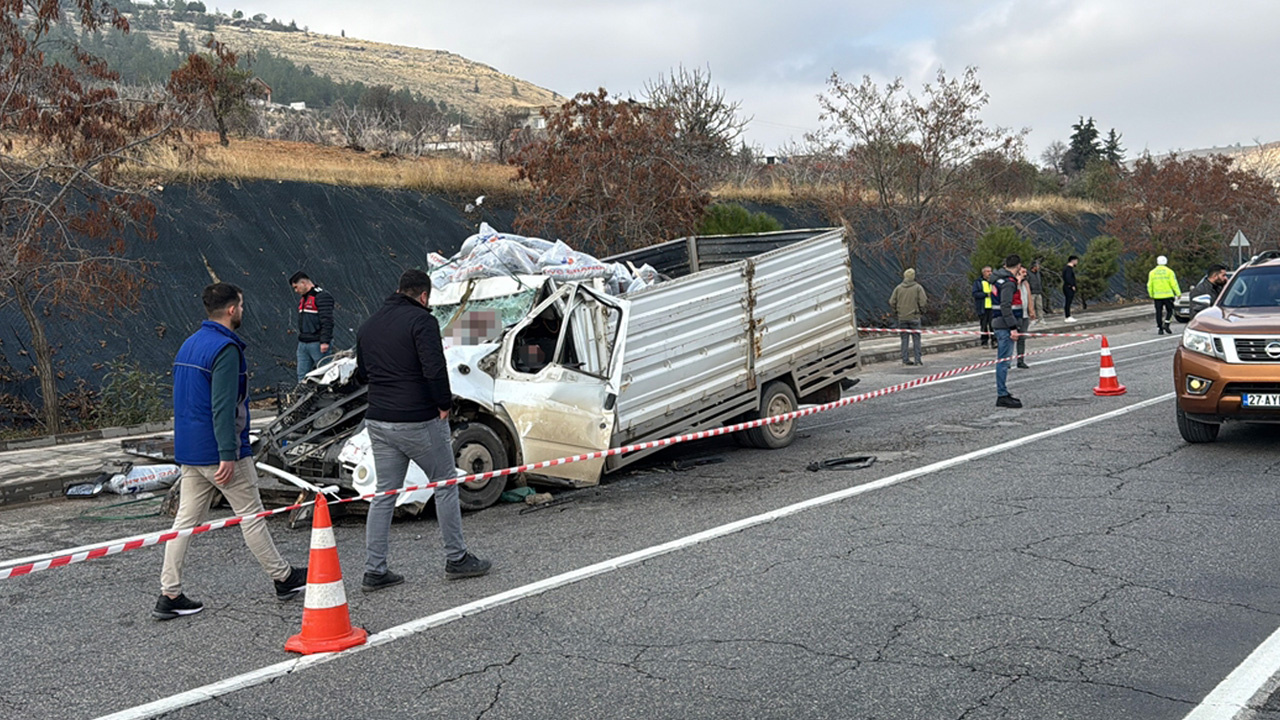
(1069, 286)
(315, 323)
(401, 358)
(1210, 286)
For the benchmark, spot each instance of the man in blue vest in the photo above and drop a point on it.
(211, 443)
(1006, 318)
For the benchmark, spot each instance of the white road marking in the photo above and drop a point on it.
(1231, 698)
(265, 674)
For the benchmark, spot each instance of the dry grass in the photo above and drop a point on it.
(258, 159)
(772, 194)
(1057, 206)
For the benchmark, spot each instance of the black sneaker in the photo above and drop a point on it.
(289, 588)
(373, 583)
(1023, 365)
(468, 566)
(1008, 401)
(907, 362)
(168, 608)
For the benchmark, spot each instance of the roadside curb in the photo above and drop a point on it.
(17, 491)
(889, 350)
(82, 436)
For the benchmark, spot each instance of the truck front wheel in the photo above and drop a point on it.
(777, 399)
(478, 449)
(1194, 431)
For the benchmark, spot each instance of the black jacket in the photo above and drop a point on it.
(402, 359)
(315, 317)
(1068, 279)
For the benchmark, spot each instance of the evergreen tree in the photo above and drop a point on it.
(1083, 147)
(184, 43)
(1112, 151)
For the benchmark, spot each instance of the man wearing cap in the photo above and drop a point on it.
(1162, 288)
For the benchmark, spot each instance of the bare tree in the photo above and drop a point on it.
(905, 164)
(1053, 156)
(504, 130)
(66, 211)
(708, 125)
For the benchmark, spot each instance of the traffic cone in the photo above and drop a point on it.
(326, 624)
(1107, 382)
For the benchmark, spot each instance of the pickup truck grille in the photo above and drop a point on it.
(1254, 349)
(1240, 388)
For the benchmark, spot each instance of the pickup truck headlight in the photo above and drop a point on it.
(1199, 342)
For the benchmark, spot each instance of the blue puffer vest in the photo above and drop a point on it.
(193, 439)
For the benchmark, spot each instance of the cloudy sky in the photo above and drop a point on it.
(1167, 75)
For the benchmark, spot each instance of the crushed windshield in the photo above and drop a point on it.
(482, 321)
(1253, 287)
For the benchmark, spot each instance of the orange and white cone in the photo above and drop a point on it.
(326, 624)
(1108, 384)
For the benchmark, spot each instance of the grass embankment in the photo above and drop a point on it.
(260, 159)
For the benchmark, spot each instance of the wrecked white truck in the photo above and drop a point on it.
(740, 327)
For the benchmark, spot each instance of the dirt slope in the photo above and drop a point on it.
(436, 74)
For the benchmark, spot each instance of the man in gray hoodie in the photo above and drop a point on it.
(908, 301)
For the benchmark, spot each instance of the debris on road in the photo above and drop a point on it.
(852, 462)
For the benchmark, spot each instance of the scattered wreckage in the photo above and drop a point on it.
(546, 362)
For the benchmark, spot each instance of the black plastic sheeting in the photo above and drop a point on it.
(354, 242)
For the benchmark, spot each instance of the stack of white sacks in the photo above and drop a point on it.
(490, 253)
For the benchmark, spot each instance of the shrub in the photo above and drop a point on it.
(997, 243)
(1100, 263)
(733, 219)
(131, 395)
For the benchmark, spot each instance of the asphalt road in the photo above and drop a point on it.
(1104, 571)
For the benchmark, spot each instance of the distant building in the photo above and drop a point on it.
(297, 106)
(261, 90)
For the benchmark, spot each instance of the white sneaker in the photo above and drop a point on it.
(1070, 319)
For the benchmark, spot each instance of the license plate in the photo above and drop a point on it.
(1262, 400)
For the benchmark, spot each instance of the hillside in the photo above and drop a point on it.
(435, 74)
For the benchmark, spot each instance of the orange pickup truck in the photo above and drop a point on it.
(1228, 365)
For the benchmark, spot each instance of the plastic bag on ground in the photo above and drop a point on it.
(144, 478)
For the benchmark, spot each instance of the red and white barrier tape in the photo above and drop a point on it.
(913, 331)
(115, 547)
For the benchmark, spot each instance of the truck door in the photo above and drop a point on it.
(558, 379)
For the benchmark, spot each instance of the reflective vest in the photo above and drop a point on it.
(1162, 283)
(193, 440)
(986, 290)
(993, 298)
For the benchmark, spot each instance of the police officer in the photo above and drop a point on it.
(1162, 288)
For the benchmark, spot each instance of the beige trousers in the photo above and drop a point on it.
(196, 494)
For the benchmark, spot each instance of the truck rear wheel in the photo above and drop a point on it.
(1194, 431)
(777, 399)
(478, 449)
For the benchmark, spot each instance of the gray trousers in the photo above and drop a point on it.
(394, 445)
(910, 337)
